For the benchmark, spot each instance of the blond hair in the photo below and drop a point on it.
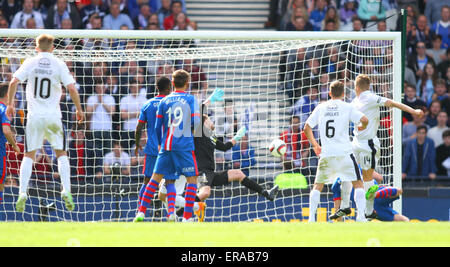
(45, 42)
(363, 82)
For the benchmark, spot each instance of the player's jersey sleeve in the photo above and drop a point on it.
(65, 76)
(378, 100)
(5, 120)
(23, 71)
(355, 115)
(143, 114)
(313, 119)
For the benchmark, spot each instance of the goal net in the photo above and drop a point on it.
(272, 82)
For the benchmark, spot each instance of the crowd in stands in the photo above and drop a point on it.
(112, 93)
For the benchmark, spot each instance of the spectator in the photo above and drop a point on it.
(433, 10)
(431, 117)
(296, 144)
(115, 19)
(443, 154)
(305, 105)
(60, 11)
(95, 7)
(99, 109)
(117, 157)
(30, 24)
(95, 22)
(292, 13)
(182, 23)
(347, 14)
(142, 20)
(4, 23)
(85, 158)
(442, 27)
(410, 128)
(418, 61)
(357, 25)
(440, 90)
(425, 85)
(10, 8)
(299, 24)
(41, 8)
(20, 18)
(422, 31)
(435, 133)
(419, 158)
(411, 99)
(44, 164)
(318, 14)
(164, 12)
(130, 107)
(244, 156)
(176, 8)
(332, 15)
(443, 66)
(437, 53)
(371, 10)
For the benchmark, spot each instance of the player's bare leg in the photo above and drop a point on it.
(368, 183)
(64, 173)
(238, 175)
(360, 200)
(26, 169)
(314, 199)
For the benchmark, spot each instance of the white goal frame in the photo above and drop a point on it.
(260, 35)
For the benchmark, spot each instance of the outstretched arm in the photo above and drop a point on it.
(403, 107)
(216, 96)
(76, 100)
(10, 137)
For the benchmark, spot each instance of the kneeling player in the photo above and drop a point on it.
(204, 151)
(383, 198)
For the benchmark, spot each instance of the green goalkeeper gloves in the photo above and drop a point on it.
(242, 131)
(216, 96)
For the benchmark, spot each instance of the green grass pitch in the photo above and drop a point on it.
(243, 234)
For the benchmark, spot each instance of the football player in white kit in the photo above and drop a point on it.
(366, 145)
(44, 74)
(335, 155)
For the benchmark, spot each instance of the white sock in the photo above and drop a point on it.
(369, 203)
(64, 173)
(25, 174)
(314, 198)
(360, 200)
(346, 190)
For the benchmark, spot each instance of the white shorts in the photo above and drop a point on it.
(39, 128)
(344, 167)
(180, 185)
(367, 152)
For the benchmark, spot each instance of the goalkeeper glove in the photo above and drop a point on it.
(216, 96)
(242, 131)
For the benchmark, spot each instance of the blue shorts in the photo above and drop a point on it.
(384, 211)
(176, 162)
(149, 166)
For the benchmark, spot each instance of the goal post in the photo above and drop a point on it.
(265, 76)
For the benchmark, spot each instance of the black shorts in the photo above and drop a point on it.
(210, 178)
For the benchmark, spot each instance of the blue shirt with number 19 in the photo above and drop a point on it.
(178, 114)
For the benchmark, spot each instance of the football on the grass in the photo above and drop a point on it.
(277, 148)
